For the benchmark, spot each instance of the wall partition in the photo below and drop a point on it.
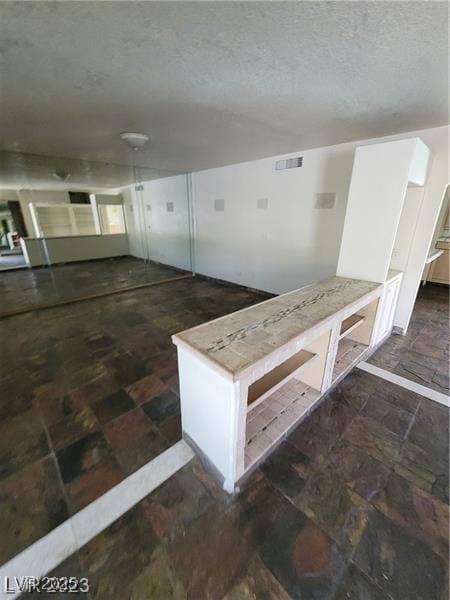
(159, 221)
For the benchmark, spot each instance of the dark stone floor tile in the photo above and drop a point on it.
(56, 406)
(112, 406)
(430, 345)
(125, 368)
(333, 506)
(377, 441)
(17, 388)
(422, 515)
(396, 395)
(358, 470)
(237, 530)
(404, 567)
(417, 367)
(141, 450)
(171, 428)
(102, 386)
(385, 360)
(396, 344)
(357, 586)
(206, 573)
(430, 430)
(145, 389)
(68, 569)
(287, 468)
(161, 407)
(93, 483)
(77, 458)
(301, 556)
(441, 380)
(427, 470)
(22, 441)
(178, 501)
(72, 428)
(32, 503)
(357, 387)
(131, 425)
(315, 436)
(392, 417)
(258, 583)
(124, 561)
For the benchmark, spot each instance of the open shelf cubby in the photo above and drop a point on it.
(350, 323)
(271, 419)
(278, 400)
(354, 338)
(266, 385)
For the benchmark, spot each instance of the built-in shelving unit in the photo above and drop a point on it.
(248, 379)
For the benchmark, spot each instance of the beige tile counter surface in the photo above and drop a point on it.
(244, 337)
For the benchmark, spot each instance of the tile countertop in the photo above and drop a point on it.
(239, 339)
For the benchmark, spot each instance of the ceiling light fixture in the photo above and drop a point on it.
(61, 175)
(136, 141)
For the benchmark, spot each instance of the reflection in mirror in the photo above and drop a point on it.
(85, 229)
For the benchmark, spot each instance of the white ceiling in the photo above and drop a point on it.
(215, 83)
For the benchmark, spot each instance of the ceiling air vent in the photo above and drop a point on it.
(289, 163)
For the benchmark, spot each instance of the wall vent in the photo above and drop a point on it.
(289, 163)
(169, 207)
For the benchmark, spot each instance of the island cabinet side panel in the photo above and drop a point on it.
(208, 409)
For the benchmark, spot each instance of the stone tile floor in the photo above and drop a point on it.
(353, 505)
(422, 355)
(346, 508)
(28, 288)
(90, 394)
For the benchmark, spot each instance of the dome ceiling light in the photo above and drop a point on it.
(136, 141)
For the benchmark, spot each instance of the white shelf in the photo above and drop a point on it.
(270, 420)
(349, 324)
(277, 377)
(348, 354)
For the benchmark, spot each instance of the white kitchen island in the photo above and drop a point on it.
(247, 379)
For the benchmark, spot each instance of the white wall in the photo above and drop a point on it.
(291, 243)
(158, 221)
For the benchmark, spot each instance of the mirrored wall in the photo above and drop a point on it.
(73, 229)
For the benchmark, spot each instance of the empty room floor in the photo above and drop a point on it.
(422, 355)
(347, 507)
(26, 289)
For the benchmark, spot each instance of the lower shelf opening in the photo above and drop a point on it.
(347, 355)
(269, 420)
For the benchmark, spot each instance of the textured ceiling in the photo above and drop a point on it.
(215, 83)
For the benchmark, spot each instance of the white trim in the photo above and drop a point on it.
(48, 552)
(405, 383)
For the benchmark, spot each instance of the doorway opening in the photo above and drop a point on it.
(12, 229)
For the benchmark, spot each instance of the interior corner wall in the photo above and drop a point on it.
(158, 222)
(133, 222)
(291, 243)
